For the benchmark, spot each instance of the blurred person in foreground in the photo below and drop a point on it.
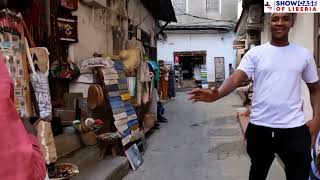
(277, 124)
(20, 155)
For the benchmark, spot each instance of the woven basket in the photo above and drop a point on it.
(71, 166)
(89, 138)
(149, 120)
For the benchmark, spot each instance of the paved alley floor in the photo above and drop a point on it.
(200, 142)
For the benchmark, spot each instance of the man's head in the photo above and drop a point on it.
(280, 24)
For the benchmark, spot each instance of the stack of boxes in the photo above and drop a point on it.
(126, 120)
(204, 76)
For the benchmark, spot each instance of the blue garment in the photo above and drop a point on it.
(131, 112)
(156, 68)
(113, 87)
(129, 107)
(160, 108)
(117, 104)
(118, 65)
(133, 122)
(122, 81)
(125, 133)
(114, 99)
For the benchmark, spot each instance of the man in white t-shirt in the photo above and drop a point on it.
(277, 123)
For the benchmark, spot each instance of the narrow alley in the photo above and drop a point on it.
(201, 141)
(97, 89)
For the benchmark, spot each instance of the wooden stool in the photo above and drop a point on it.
(108, 140)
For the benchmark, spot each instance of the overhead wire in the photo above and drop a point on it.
(199, 17)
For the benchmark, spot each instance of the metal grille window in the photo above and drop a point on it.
(180, 6)
(213, 6)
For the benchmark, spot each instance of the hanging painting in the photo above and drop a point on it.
(13, 52)
(67, 29)
(219, 68)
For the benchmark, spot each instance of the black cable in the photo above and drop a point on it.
(199, 17)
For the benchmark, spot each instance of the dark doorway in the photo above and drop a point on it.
(188, 63)
(189, 60)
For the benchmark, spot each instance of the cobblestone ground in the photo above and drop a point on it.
(200, 142)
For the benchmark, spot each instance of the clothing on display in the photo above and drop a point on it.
(164, 80)
(171, 92)
(118, 111)
(122, 111)
(144, 78)
(122, 81)
(113, 87)
(155, 68)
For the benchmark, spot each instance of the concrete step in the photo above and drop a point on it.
(111, 168)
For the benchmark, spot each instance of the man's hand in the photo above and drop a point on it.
(204, 95)
(211, 95)
(313, 126)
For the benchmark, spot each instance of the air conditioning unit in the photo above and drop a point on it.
(96, 4)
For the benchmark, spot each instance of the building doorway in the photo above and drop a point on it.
(188, 61)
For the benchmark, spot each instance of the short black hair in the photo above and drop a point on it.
(294, 15)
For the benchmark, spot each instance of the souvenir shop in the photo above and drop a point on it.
(108, 101)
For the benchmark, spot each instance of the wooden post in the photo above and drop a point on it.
(26, 83)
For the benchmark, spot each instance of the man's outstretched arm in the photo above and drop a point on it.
(228, 86)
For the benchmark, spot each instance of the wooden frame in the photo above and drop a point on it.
(219, 76)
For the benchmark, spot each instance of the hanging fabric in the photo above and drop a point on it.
(39, 81)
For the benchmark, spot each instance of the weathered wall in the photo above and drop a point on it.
(198, 8)
(142, 17)
(95, 28)
(216, 45)
(95, 33)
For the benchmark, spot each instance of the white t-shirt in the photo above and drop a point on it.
(277, 72)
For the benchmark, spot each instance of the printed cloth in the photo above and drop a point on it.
(112, 87)
(129, 107)
(117, 104)
(114, 99)
(114, 93)
(120, 116)
(118, 110)
(122, 81)
(131, 112)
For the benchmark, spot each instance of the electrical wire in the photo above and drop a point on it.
(198, 17)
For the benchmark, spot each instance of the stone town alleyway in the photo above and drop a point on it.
(200, 142)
